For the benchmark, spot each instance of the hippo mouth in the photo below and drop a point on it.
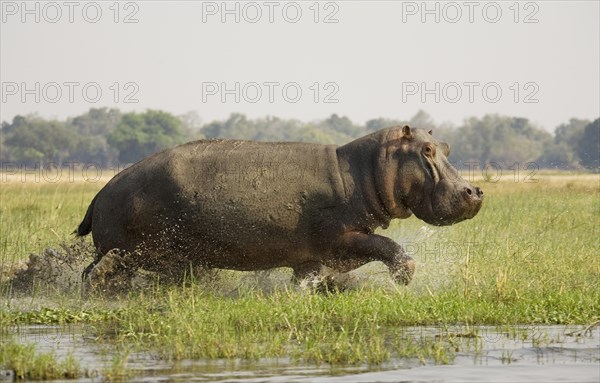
(465, 205)
(446, 207)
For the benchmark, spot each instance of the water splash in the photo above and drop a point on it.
(54, 270)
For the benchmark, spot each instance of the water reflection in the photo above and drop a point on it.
(505, 353)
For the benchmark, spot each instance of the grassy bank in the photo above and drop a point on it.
(529, 257)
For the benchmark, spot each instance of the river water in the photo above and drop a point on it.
(515, 354)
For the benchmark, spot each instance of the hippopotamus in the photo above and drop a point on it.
(247, 205)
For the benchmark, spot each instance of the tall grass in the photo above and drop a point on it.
(26, 364)
(34, 216)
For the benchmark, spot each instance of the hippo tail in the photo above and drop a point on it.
(85, 227)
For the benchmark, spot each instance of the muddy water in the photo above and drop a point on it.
(528, 353)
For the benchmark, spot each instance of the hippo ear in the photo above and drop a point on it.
(406, 130)
(430, 132)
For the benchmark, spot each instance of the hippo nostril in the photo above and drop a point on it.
(468, 191)
(479, 192)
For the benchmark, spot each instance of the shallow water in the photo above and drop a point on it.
(517, 353)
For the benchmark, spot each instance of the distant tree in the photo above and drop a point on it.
(191, 123)
(310, 133)
(33, 140)
(276, 129)
(422, 120)
(4, 150)
(589, 146)
(17, 122)
(97, 122)
(236, 126)
(563, 153)
(342, 125)
(94, 149)
(558, 156)
(499, 139)
(571, 132)
(376, 124)
(93, 128)
(139, 135)
(106, 136)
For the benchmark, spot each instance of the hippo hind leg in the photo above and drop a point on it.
(111, 273)
(86, 272)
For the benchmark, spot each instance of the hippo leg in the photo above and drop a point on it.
(111, 273)
(356, 249)
(306, 270)
(318, 277)
(89, 268)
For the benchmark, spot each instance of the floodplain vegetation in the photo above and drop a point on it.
(530, 257)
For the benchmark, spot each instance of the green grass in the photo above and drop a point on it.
(27, 364)
(529, 257)
(34, 216)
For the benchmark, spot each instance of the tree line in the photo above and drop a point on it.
(109, 137)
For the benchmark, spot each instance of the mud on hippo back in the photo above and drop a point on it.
(248, 205)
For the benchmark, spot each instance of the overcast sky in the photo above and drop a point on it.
(304, 60)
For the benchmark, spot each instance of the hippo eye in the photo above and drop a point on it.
(429, 150)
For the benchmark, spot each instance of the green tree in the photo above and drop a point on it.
(558, 156)
(141, 134)
(32, 140)
(422, 120)
(571, 132)
(236, 126)
(93, 128)
(275, 129)
(191, 123)
(105, 136)
(589, 146)
(499, 139)
(566, 137)
(376, 124)
(97, 122)
(342, 125)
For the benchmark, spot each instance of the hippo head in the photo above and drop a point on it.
(416, 178)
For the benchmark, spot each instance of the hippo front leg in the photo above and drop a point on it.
(314, 275)
(306, 270)
(355, 249)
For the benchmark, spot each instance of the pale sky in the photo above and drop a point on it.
(380, 59)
